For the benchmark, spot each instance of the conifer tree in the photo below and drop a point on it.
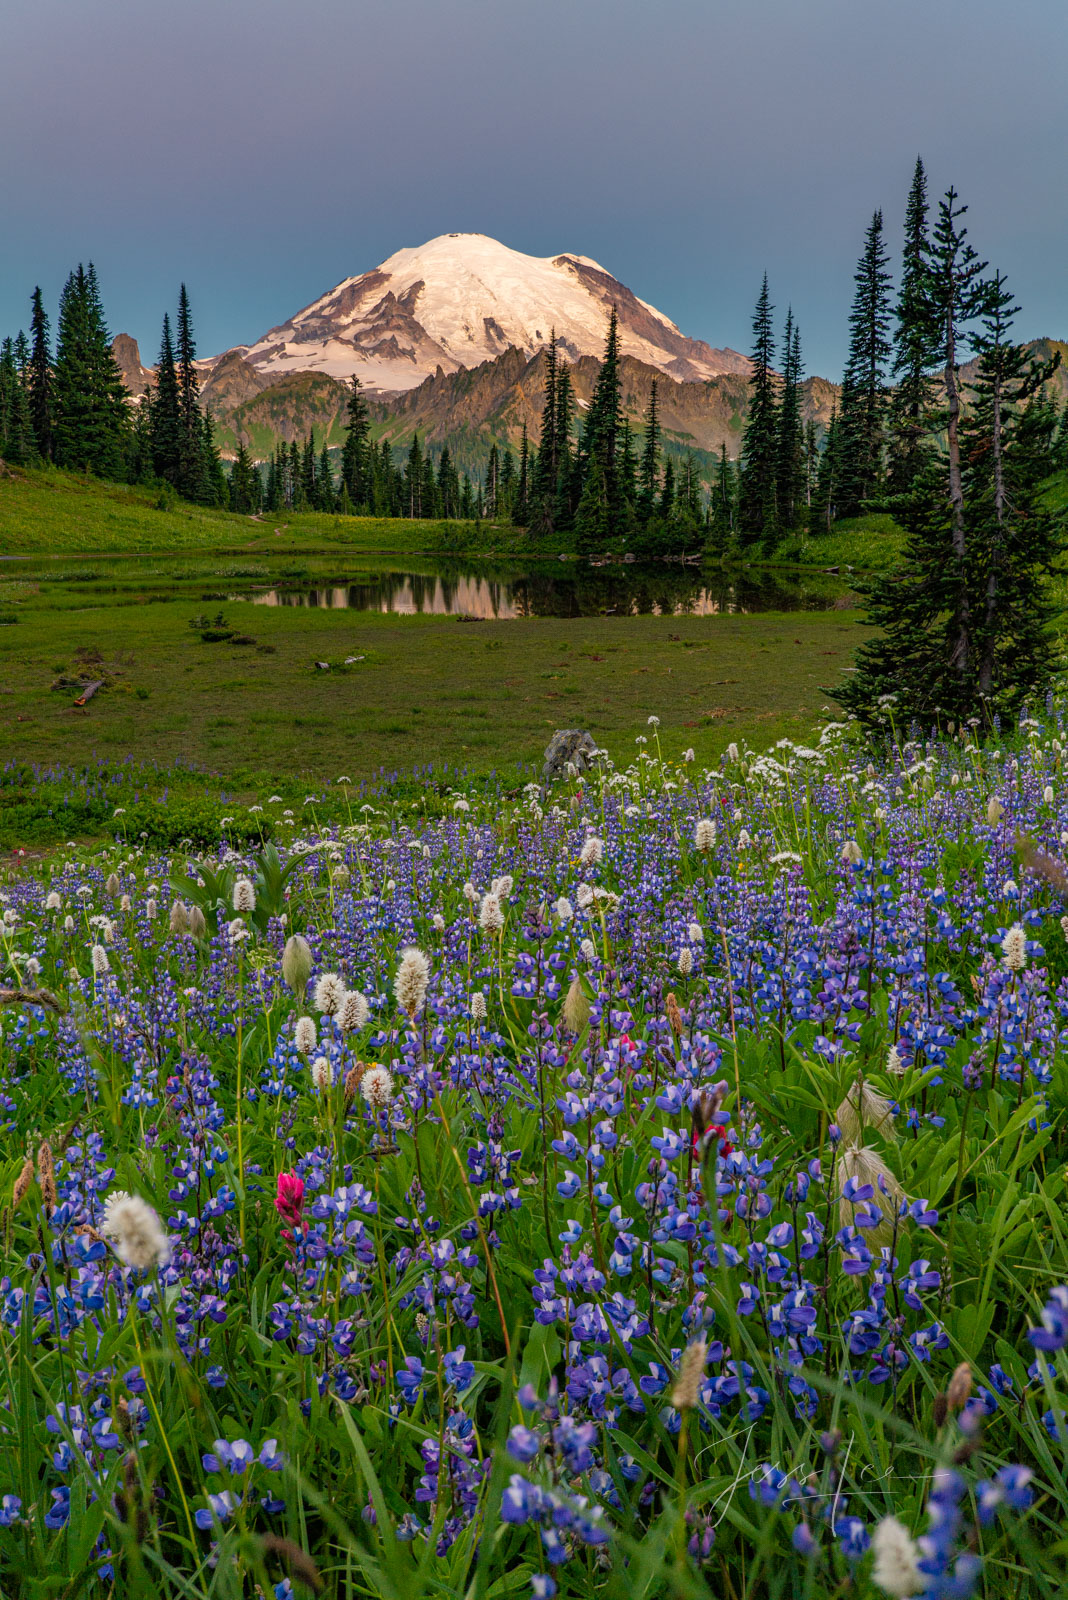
(568, 481)
(863, 401)
(915, 349)
(601, 438)
(429, 497)
(307, 473)
(356, 471)
(324, 482)
(721, 506)
(90, 404)
(413, 480)
(757, 518)
(964, 620)
(824, 507)
(789, 485)
(649, 471)
(166, 412)
(545, 477)
(217, 490)
(191, 480)
(490, 486)
(245, 491)
(17, 443)
(40, 379)
(522, 496)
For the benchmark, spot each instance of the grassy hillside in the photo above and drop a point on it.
(45, 511)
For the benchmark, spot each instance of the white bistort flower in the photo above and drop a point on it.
(353, 1012)
(685, 961)
(329, 993)
(304, 1036)
(695, 933)
(490, 916)
(478, 1006)
(322, 1074)
(587, 950)
(376, 1086)
(410, 984)
(135, 1230)
(1014, 948)
(592, 852)
(565, 911)
(244, 896)
(101, 964)
(704, 835)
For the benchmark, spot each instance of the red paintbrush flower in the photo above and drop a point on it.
(289, 1200)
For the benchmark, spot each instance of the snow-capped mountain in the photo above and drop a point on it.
(462, 299)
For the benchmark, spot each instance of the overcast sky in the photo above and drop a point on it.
(262, 150)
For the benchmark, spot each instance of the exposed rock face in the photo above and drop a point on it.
(231, 382)
(136, 377)
(568, 747)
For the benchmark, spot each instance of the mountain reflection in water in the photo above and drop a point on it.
(581, 592)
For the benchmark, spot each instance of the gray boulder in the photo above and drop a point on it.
(568, 746)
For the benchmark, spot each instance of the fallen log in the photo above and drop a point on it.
(89, 691)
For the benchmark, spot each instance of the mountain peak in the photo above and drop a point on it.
(463, 298)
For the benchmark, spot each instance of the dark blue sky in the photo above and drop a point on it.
(263, 150)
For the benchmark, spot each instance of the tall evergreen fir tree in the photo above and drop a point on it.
(17, 442)
(217, 491)
(324, 482)
(568, 482)
(601, 438)
(489, 494)
(91, 413)
(757, 516)
(413, 480)
(522, 494)
(245, 489)
(790, 467)
(295, 497)
(429, 497)
(40, 378)
(721, 506)
(356, 471)
(971, 579)
(545, 476)
(862, 418)
(649, 469)
(915, 349)
(824, 507)
(166, 412)
(448, 486)
(307, 473)
(192, 477)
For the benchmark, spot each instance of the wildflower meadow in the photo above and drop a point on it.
(650, 1186)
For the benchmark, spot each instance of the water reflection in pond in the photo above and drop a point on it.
(581, 591)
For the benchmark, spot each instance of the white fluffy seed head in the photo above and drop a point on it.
(179, 919)
(866, 1165)
(502, 887)
(329, 993)
(112, 884)
(244, 896)
(565, 911)
(1047, 794)
(376, 1086)
(68, 924)
(576, 1010)
(704, 835)
(852, 853)
(1014, 949)
(994, 811)
(54, 902)
(896, 1570)
(410, 984)
(439, 922)
(862, 1110)
(297, 963)
(687, 1391)
(587, 950)
(304, 1036)
(353, 1012)
(894, 1063)
(135, 1230)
